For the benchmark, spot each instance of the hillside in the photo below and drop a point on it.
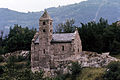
(82, 12)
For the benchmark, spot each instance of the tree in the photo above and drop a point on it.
(92, 35)
(1, 37)
(19, 38)
(66, 27)
(1, 42)
(112, 39)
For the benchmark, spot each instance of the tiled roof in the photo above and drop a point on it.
(63, 37)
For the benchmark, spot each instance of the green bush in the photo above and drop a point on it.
(113, 71)
(61, 77)
(2, 51)
(16, 58)
(11, 59)
(1, 70)
(1, 59)
(20, 58)
(75, 68)
(28, 64)
(19, 66)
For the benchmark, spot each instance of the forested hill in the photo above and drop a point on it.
(81, 12)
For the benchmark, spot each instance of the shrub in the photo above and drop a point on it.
(38, 75)
(20, 58)
(15, 58)
(1, 59)
(75, 68)
(19, 66)
(1, 70)
(12, 59)
(113, 71)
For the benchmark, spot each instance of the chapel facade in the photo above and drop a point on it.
(48, 48)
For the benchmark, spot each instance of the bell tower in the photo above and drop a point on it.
(45, 37)
(46, 26)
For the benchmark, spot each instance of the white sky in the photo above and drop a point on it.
(34, 5)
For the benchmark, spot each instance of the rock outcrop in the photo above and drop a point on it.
(86, 59)
(93, 59)
(17, 53)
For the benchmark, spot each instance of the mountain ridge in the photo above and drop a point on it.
(82, 12)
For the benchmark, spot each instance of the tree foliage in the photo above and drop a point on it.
(14, 71)
(92, 35)
(18, 39)
(112, 39)
(66, 27)
(100, 37)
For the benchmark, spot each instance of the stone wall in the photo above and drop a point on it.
(57, 50)
(77, 43)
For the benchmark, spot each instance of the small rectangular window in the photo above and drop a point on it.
(62, 48)
(44, 51)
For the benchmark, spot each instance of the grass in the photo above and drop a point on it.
(23, 62)
(91, 74)
(86, 74)
(2, 63)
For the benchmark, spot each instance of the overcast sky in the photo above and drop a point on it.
(34, 5)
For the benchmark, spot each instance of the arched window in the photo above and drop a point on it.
(44, 23)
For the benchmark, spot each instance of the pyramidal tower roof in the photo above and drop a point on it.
(45, 16)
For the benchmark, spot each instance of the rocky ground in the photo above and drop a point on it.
(93, 59)
(85, 58)
(17, 53)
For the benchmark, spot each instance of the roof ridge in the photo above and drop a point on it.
(64, 33)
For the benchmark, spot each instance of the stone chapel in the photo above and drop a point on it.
(48, 48)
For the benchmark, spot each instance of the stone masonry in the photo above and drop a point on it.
(47, 48)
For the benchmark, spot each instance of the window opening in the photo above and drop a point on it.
(62, 48)
(50, 23)
(44, 23)
(44, 51)
(43, 30)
